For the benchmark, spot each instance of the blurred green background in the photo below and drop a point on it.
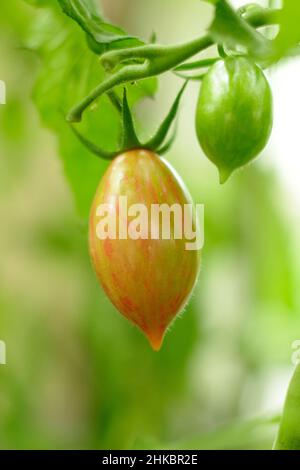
(80, 376)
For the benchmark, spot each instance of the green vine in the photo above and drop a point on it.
(157, 59)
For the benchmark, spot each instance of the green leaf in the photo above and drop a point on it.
(230, 28)
(101, 35)
(68, 71)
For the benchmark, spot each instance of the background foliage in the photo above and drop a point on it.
(78, 375)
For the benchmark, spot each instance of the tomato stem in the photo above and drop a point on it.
(155, 60)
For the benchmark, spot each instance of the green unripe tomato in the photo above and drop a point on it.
(234, 114)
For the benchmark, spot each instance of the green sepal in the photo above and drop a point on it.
(221, 51)
(115, 101)
(198, 64)
(166, 147)
(98, 151)
(198, 77)
(158, 139)
(130, 140)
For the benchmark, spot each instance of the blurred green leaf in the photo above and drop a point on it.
(101, 35)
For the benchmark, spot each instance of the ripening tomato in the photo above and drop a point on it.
(148, 278)
(234, 114)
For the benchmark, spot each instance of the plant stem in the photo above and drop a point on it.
(158, 59)
(127, 74)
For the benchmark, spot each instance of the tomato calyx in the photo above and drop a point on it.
(130, 141)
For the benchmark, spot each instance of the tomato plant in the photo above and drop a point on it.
(151, 281)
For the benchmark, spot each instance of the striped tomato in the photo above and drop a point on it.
(148, 279)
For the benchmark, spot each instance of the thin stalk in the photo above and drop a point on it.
(127, 74)
(158, 59)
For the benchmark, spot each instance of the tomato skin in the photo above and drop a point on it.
(149, 281)
(234, 114)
